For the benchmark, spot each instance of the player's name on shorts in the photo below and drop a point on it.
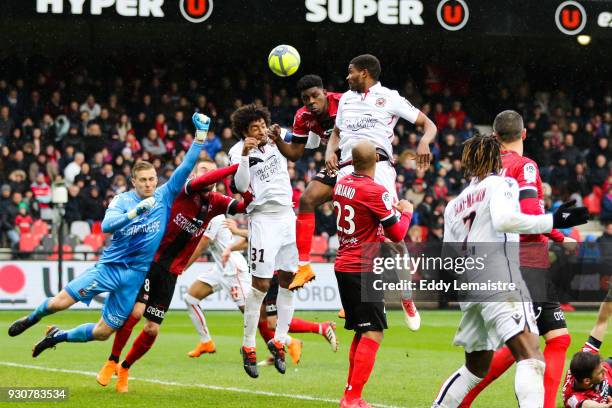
(443, 286)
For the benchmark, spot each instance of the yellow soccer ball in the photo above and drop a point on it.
(284, 60)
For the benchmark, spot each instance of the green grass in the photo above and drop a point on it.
(409, 369)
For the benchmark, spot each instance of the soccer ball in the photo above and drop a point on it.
(284, 60)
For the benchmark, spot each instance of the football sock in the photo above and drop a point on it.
(352, 351)
(121, 337)
(251, 315)
(304, 231)
(365, 356)
(502, 360)
(40, 312)
(80, 334)
(455, 388)
(554, 355)
(142, 344)
(284, 307)
(529, 383)
(303, 326)
(197, 317)
(266, 333)
(592, 345)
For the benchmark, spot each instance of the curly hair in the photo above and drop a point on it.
(245, 115)
(481, 156)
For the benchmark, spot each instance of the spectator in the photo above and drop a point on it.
(19, 181)
(212, 144)
(23, 220)
(42, 195)
(606, 207)
(325, 220)
(74, 168)
(93, 206)
(458, 114)
(572, 153)
(91, 107)
(6, 124)
(599, 172)
(153, 144)
(74, 206)
(416, 193)
(7, 219)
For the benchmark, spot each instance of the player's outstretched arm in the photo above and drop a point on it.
(178, 178)
(231, 225)
(429, 136)
(116, 217)
(210, 178)
(331, 160)
(292, 151)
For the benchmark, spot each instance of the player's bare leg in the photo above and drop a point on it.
(362, 357)
(142, 344)
(601, 325)
(316, 194)
(197, 292)
(121, 337)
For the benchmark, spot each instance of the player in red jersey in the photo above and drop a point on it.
(191, 212)
(362, 206)
(312, 126)
(508, 127)
(588, 381)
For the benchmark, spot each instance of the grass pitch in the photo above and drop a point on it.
(409, 369)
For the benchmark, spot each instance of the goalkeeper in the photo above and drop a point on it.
(137, 219)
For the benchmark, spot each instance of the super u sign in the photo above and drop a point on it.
(196, 11)
(570, 17)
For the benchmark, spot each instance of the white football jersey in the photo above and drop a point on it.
(220, 238)
(371, 116)
(269, 177)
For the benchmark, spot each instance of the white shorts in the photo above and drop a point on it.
(238, 286)
(272, 245)
(385, 175)
(488, 325)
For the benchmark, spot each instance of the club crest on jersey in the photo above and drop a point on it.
(380, 102)
(196, 11)
(530, 173)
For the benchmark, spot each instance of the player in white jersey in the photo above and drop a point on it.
(370, 111)
(479, 224)
(231, 275)
(263, 172)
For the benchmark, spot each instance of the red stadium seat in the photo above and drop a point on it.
(40, 227)
(96, 227)
(67, 256)
(95, 241)
(319, 247)
(28, 242)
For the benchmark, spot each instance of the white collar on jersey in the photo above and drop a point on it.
(372, 88)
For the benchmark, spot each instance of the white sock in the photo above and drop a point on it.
(284, 310)
(252, 305)
(455, 388)
(287, 340)
(529, 383)
(197, 317)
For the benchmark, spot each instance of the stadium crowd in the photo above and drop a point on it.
(73, 126)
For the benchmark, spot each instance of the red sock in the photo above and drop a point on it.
(304, 231)
(554, 355)
(365, 356)
(352, 351)
(266, 333)
(502, 360)
(142, 344)
(122, 335)
(298, 325)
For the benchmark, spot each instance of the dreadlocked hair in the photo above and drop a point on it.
(481, 156)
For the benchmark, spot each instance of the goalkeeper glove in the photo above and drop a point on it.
(201, 123)
(142, 207)
(568, 216)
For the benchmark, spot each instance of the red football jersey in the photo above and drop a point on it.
(362, 208)
(525, 171)
(189, 218)
(573, 398)
(305, 122)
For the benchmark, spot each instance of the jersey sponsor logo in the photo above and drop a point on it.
(530, 173)
(270, 168)
(142, 228)
(191, 227)
(153, 311)
(125, 8)
(390, 12)
(386, 199)
(570, 17)
(453, 15)
(364, 122)
(196, 11)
